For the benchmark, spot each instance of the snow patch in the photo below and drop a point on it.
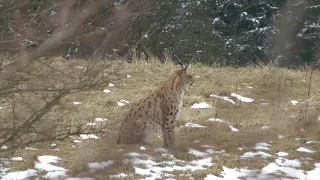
(111, 85)
(230, 174)
(88, 136)
(100, 119)
(100, 165)
(124, 101)
(91, 124)
(31, 148)
(262, 146)
(217, 120)
(233, 129)
(20, 175)
(201, 105)
(43, 163)
(106, 91)
(281, 154)
(17, 158)
(241, 98)
(121, 104)
(256, 154)
(313, 142)
(76, 102)
(286, 162)
(121, 175)
(193, 125)
(294, 102)
(303, 149)
(226, 98)
(197, 153)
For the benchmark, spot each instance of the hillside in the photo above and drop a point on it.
(254, 122)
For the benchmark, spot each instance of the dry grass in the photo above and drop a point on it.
(271, 85)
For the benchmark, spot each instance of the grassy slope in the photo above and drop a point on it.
(274, 86)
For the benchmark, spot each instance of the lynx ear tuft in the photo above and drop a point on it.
(185, 68)
(180, 63)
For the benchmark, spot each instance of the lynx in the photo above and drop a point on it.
(160, 108)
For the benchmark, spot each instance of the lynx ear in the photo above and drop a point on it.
(185, 68)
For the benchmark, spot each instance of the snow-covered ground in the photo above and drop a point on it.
(205, 157)
(147, 166)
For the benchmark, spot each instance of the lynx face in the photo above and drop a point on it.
(159, 109)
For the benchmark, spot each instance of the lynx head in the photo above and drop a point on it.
(181, 78)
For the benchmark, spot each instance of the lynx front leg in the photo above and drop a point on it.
(168, 134)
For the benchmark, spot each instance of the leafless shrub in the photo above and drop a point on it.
(33, 88)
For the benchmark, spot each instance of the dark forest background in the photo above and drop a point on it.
(224, 32)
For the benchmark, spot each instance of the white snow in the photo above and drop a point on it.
(147, 166)
(88, 136)
(76, 103)
(43, 163)
(106, 91)
(230, 174)
(133, 154)
(142, 148)
(285, 162)
(1, 107)
(100, 165)
(197, 153)
(303, 149)
(111, 85)
(193, 125)
(226, 98)
(121, 175)
(217, 120)
(195, 141)
(241, 98)
(262, 146)
(215, 20)
(17, 158)
(101, 119)
(4, 147)
(281, 154)
(129, 76)
(124, 101)
(20, 175)
(294, 102)
(274, 168)
(315, 173)
(201, 105)
(80, 67)
(31, 148)
(233, 129)
(256, 154)
(313, 142)
(121, 104)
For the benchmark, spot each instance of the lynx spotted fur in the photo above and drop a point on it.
(160, 108)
